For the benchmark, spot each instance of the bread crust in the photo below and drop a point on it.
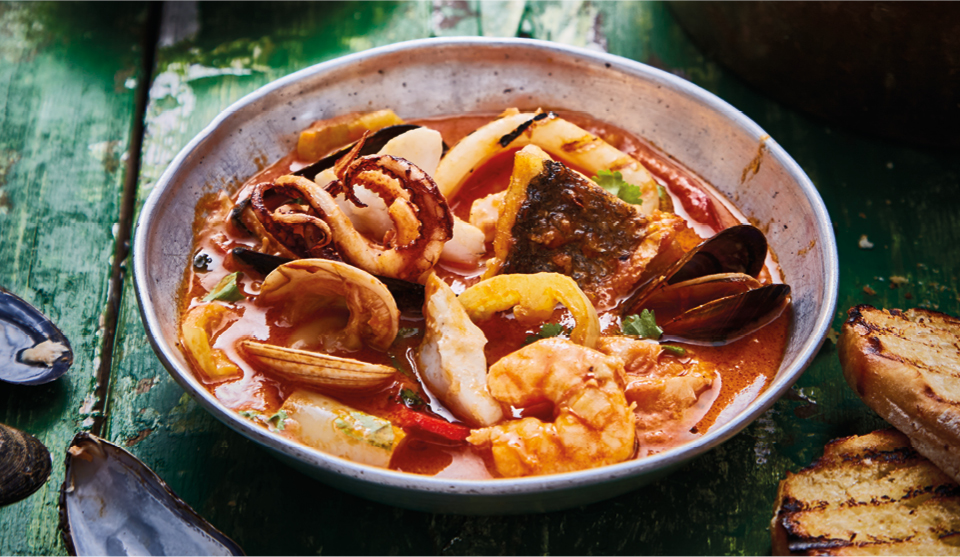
(914, 385)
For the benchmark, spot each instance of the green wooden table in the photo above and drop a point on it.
(95, 100)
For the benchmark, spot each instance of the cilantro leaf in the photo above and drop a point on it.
(250, 414)
(411, 399)
(675, 350)
(277, 420)
(395, 362)
(227, 289)
(614, 183)
(407, 332)
(547, 330)
(643, 325)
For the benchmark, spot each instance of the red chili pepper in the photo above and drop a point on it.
(412, 419)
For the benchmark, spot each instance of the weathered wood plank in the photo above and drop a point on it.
(67, 74)
(721, 502)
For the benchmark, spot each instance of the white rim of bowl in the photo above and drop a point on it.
(499, 486)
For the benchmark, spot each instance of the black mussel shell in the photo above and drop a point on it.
(32, 348)
(262, 263)
(728, 319)
(408, 295)
(374, 142)
(738, 249)
(24, 465)
(113, 504)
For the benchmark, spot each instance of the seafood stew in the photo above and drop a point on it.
(530, 300)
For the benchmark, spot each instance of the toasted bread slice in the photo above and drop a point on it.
(868, 495)
(906, 366)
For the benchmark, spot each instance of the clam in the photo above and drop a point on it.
(321, 370)
(306, 287)
(24, 465)
(32, 348)
(711, 294)
(113, 504)
(408, 295)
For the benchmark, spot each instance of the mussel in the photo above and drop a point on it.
(24, 465)
(113, 504)
(32, 348)
(711, 294)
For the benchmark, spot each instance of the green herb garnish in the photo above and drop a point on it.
(395, 362)
(407, 332)
(226, 290)
(547, 330)
(614, 183)
(250, 414)
(369, 429)
(643, 325)
(675, 350)
(277, 420)
(411, 399)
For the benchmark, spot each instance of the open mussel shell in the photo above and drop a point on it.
(675, 299)
(738, 249)
(32, 348)
(113, 504)
(371, 146)
(320, 370)
(728, 319)
(24, 465)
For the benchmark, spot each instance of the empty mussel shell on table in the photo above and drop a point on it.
(113, 504)
(32, 348)
(24, 465)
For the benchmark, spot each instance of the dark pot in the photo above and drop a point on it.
(890, 68)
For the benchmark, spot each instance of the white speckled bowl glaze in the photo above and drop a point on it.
(435, 77)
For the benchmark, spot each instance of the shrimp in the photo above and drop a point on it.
(669, 393)
(593, 424)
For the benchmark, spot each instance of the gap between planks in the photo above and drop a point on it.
(128, 201)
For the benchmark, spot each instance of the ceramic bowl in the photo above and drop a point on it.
(435, 77)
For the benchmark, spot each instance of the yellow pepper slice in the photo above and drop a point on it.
(195, 333)
(325, 136)
(533, 297)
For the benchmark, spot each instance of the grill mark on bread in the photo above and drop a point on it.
(868, 494)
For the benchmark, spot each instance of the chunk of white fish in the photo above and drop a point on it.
(332, 427)
(451, 357)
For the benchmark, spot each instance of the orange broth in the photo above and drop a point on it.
(745, 367)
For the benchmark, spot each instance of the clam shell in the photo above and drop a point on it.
(24, 465)
(113, 504)
(321, 370)
(32, 348)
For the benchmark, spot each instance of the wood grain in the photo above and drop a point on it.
(67, 106)
(67, 74)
